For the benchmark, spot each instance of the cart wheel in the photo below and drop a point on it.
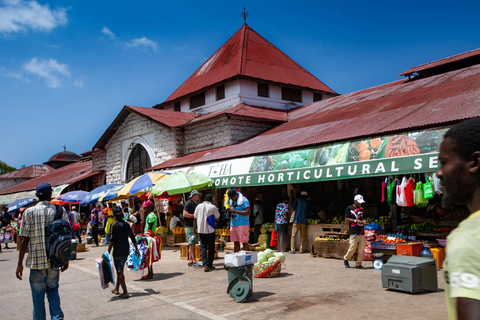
(240, 289)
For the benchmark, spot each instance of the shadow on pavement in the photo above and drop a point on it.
(147, 292)
(259, 295)
(162, 276)
(284, 274)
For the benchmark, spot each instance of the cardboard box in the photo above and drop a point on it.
(241, 258)
(81, 247)
(409, 249)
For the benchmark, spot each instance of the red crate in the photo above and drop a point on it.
(409, 249)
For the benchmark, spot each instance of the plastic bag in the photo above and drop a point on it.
(428, 190)
(273, 239)
(418, 197)
(136, 260)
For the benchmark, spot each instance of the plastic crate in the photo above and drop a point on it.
(384, 246)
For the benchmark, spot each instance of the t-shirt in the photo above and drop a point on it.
(462, 263)
(258, 213)
(238, 219)
(204, 214)
(190, 208)
(301, 208)
(94, 217)
(151, 218)
(76, 216)
(281, 213)
(173, 222)
(354, 213)
(121, 231)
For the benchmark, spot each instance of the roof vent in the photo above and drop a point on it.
(452, 63)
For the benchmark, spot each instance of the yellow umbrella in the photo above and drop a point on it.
(138, 186)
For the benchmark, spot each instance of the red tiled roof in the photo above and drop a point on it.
(248, 111)
(441, 62)
(65, 175)
(248, 54)
(164, 117)
(393, 107)
(28, 172)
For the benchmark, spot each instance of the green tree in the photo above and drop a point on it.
(4, 168)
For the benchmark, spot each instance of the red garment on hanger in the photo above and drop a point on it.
(409, 188)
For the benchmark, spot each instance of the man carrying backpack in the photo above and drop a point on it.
(43, 278)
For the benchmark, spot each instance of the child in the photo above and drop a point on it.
(120, 232)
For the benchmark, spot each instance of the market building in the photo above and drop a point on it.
(245, 88)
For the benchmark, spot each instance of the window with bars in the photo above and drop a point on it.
(138, 162)
(197, 100)
(291, 94)
(262, 89)
(221, 92)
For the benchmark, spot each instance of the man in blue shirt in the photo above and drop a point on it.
(240, 223)
(300, 221)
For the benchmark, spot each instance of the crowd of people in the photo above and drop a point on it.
(459, 172)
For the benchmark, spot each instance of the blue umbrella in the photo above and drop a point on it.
(72, 197)
(19, 203)
(94, 195)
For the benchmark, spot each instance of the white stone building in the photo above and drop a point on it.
(245, 88)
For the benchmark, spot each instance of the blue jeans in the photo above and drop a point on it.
(41, 282)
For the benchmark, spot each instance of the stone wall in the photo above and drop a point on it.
(162, 143)
(221, 131)
(5, 183)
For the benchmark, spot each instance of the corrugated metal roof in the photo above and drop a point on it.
(248, 54)
(65, 175)
(393, 107)
(441, 62)
(241, 109)
(29, 172)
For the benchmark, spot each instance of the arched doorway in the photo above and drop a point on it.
(137, 163)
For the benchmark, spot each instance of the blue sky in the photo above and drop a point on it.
(68, 67)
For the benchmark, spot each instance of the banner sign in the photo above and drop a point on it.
(413, 152)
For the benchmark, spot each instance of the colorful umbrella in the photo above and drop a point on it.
(20, 203)
(139, 185)
(94, 195)
(72, 197)
(112, 194)
(181, 182)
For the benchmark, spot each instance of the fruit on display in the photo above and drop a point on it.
(178, 230)
(328, 239)
(313, 221)
(337, 220)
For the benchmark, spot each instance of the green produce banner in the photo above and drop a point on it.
(412, 152)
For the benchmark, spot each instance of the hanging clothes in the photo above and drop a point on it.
(409, 188)
(401, 198)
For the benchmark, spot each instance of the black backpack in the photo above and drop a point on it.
(58, 237)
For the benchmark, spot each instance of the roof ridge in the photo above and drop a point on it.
(289, 58)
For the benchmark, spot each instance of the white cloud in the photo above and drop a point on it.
(7, 73)
(20, 16)
(50, 70)
(143, 43)
(109, 33)
(78, 83)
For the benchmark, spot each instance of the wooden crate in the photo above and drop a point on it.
(198, 252)
(81, 247)
(170, 240)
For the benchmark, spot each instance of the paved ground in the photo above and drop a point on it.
(307, 288)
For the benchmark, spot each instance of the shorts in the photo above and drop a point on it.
(119, 263)
(240, 234)
(188, 234)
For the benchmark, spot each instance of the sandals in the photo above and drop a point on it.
(124, 296)
(146, 277)
(115, 292)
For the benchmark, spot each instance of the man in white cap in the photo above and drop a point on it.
(188, 215)
(354, 216)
